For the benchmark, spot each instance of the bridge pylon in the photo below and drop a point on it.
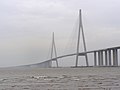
(53, 50)
(78, 42)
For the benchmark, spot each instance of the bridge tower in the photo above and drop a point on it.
(78, 41)
(53, 50)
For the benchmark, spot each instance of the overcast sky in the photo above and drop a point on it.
(26, 27)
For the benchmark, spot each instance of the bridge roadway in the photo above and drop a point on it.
(102, 57)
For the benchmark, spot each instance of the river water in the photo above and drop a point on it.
(86, 78)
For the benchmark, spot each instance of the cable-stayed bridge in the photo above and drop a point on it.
(102, 57)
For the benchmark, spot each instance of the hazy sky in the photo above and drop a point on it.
(26, 27)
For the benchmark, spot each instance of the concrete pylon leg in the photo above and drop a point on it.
(109, 53)
(106, 58)
(114, 57)
(49, 64)
(101, 55)
(99, 59)
(56, 63)
(95, 59)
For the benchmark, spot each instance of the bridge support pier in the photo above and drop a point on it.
(109, 54)
(49, 64)
(99, 58)
(115, 57)
(106, 58)
(56, 62)
(95, 58)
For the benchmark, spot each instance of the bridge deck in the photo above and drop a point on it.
(81, 54)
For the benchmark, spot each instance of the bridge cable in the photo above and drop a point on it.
(72, 41)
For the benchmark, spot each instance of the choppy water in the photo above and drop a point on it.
(91, 78)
